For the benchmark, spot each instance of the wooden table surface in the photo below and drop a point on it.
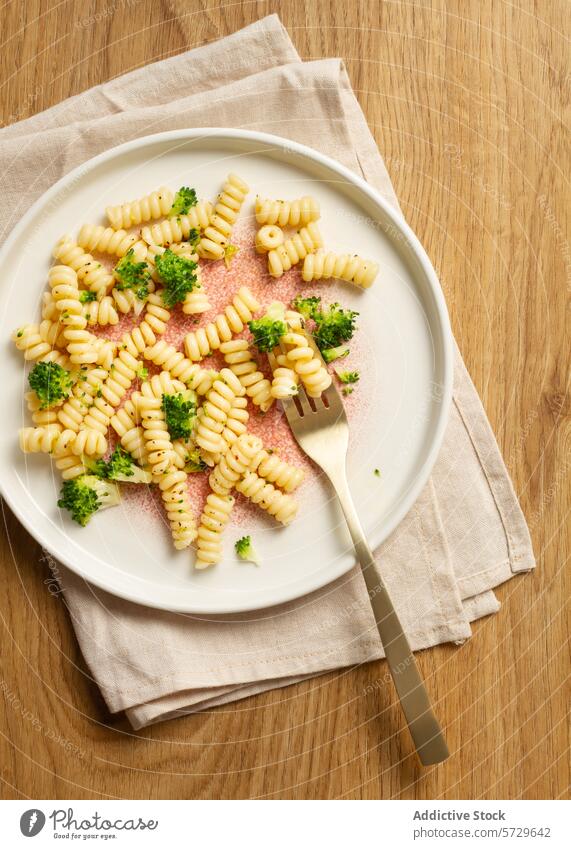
(466, 101)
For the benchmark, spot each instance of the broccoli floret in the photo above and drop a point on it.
(230, 252)
(142, 372)
(180, 413)
(133, 275)
(85, 495)
(333, 326)
(347, 376)
(194, 462)
(50, 382)
(119, 467)
(246, 551)
(178, 275)
(268, 330)
(330, 354)
(85, 296)
(183, 200)
(308, 307)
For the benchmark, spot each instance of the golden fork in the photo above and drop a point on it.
(320, 427)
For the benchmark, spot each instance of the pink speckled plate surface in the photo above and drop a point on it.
(397, 413)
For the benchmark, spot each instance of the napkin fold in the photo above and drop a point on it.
(465, 534)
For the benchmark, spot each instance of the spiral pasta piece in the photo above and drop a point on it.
(217, 234)
(287, 213)
(40, 417)
(293, 250)
(121, 374)
(47, 440)
(282, 507)
(213, 520)
(130, 434)
(268, 238)
(178, 229)
(93, 274)
(275, 470)
(180, 367)
(234, 463)
(162, 384)
(196, 302)
(213, 415)
(106, 350)
(176, 500)
(237, 354)
(95, 237)
(90, 442)
(313, 374)
(126, 301)
(284, 379)
(353, 269)
(160, 454)
(69, 464)
(49, 308)
(74, 410)
(154, 324)
(129, 214)
(209, 338)
(235, 426)
(29, 340)
(101, 312)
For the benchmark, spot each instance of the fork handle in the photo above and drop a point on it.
(424, 727)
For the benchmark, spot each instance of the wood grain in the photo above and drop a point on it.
(466, 101)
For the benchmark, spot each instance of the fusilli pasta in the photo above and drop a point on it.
(282, 507)
(268, 238)
(238, 356)
(217, 234)
(121, 374)
(72, 413)
(275, 470)
(93, 274)
(307, 364)
(94, 237)
(212, 522)
(293, 250)
(287, 213)
(234, 463)
(353, 269)
(178, 228)
(213, 414)
(209, 338)
(129, 214)
(180, 367)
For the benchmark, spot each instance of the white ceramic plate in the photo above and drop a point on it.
(398, 412)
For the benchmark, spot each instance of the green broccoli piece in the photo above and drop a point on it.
(178, 276)
(308, 307)
(85, 296)
(142, 372)
(133, 275)
(85, 495)
(230, 252)
(119, 467)
(333, 326)
(330, 354)
(347, 376)
(194, 462)
(50, 382)
(268, 330)
(180, 413)
(183, 200)
(246, 551)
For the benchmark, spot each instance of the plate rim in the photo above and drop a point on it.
(446, 341)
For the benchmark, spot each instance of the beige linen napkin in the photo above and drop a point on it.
(464, 536)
